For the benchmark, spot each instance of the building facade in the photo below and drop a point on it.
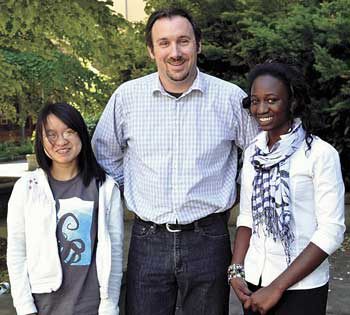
(132, 10)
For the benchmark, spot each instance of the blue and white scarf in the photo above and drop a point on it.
(270, 198)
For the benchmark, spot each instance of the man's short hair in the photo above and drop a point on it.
(169, 13)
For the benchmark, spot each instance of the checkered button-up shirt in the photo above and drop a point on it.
(176, 157)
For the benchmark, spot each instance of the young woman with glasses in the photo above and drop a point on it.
(65, 225)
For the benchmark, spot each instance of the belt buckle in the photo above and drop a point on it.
(167, 225)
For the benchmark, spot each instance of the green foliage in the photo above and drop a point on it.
(91, 122)
(74, 51)
(11, 150)
(58, 78)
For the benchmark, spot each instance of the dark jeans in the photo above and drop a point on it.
(193, 263)
(298, 302)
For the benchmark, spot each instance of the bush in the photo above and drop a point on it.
(12, 150)
(91, 122)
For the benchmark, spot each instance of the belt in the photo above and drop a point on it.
(175, 227)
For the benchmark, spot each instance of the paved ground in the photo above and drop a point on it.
(339, 292)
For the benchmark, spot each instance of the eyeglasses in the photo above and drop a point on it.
(68, 135)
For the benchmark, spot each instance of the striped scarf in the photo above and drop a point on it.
(271, 194)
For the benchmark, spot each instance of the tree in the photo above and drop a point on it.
(77, 51)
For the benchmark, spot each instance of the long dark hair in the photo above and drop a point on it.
(88, 166)
(298, 94)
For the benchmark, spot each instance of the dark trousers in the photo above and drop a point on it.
(298, 302)
(191, 264)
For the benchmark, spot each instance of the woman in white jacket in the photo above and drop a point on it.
(65, 225)
(292, 202)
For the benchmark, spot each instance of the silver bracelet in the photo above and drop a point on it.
(235, 271)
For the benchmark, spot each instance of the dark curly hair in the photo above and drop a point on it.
(298, 94)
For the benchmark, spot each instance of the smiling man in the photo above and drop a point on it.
(170, 139)
(174, 46)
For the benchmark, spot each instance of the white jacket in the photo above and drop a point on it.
(32, 255)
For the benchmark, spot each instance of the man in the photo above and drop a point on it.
(170, 139)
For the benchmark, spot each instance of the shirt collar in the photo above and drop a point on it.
(262, 138)
(199, 84)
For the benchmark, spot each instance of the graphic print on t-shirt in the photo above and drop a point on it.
(74, 231)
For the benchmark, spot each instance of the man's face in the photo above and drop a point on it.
(175, 53)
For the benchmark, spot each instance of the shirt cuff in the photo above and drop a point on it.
(28, 308)
(108, 307)
(244, 220)
(329, 243)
